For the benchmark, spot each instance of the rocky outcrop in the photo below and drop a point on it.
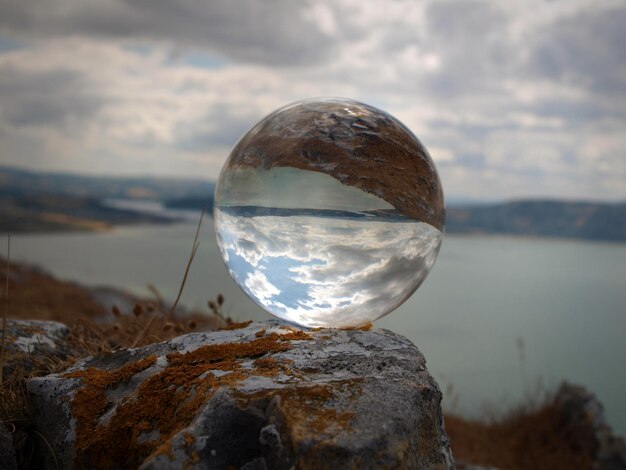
(583, 415)
(29, 341)
(567, 431)
(263, 396)
(7, 451)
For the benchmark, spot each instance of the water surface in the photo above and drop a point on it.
(565, 301)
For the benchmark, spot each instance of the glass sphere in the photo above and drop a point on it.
(329, 213)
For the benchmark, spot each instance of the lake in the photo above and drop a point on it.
(495, 317)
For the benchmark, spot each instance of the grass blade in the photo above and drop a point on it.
(6, 309)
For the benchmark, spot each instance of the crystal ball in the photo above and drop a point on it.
(329, 213)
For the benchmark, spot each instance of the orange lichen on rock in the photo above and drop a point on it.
(167, 401)
(90, 401)
(165, 449)
(367, 327)
(271, 367)
(294, 334)
(237, 326)
(223, 355)
(308, 410)
(307, 413)
(326, 418)
(189, 438)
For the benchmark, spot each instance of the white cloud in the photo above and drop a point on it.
(258, 283)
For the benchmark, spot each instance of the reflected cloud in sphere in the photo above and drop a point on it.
(326, 271)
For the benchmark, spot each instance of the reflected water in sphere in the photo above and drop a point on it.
(329, 213)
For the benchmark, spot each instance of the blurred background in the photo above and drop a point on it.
(116, 117)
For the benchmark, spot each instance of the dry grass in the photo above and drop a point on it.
(146, 324)
(194, 250)
(35, 294)
(93, 330)
(534, 435)
(14, 415)
(6, 308)
(534, 441)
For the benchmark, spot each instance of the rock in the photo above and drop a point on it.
(469, 466)
(265, 396)
(7, 452)
(30, 341)
(583, 415)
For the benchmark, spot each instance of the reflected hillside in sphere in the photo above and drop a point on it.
(316, 228)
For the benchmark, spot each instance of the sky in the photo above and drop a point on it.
(513, 99)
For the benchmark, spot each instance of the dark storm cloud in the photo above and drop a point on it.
(47, 98)
(587, 49)
(276, 32)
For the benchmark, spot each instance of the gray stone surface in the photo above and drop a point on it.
(263, 396)
(7, 452)
(28, 341)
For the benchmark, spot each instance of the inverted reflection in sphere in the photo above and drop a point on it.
(329, 213)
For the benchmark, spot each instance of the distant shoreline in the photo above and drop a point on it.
(45, 213)
(59, 215)
(542, 218)
(32, 202)
(530, 238)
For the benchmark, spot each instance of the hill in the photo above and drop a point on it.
(192, 202)
(32, 201)
(51, 202)
(538, 218)
(542, 218)
(40, 212)
(19, 182)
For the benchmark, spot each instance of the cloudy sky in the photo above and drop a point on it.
(512, 98)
